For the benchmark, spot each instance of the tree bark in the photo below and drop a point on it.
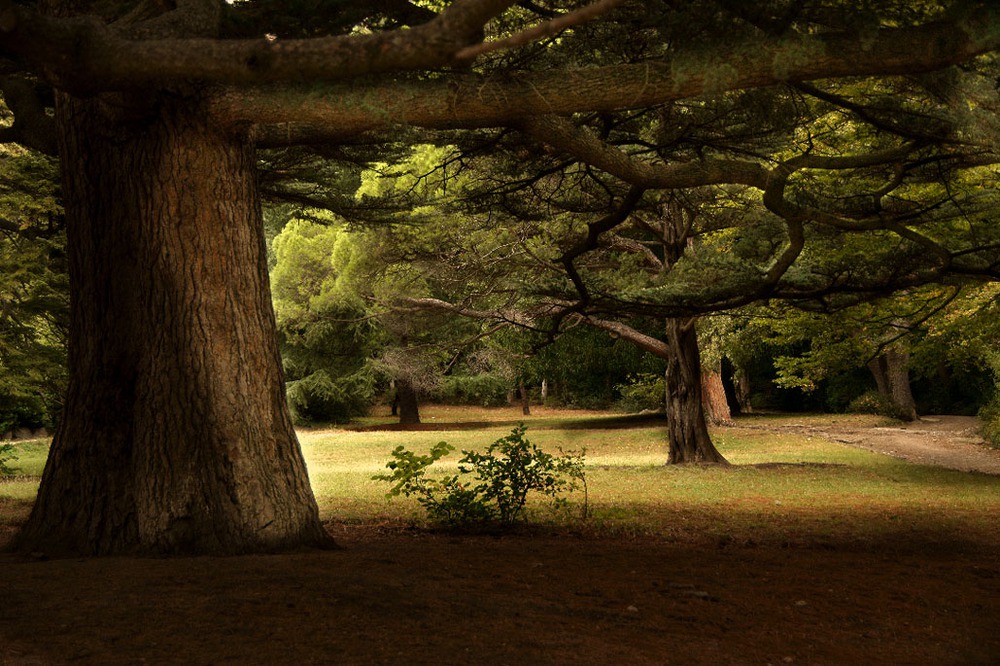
(879, 371)
(713, 396)
(897, 362)
(686, 426)
(176, 436)
(409, 404)
(892, 378)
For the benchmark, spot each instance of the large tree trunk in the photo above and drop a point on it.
(892, 378)
(687, 430)
(175, 436)
(409, 403)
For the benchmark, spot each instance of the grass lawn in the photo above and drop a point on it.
(782, 487)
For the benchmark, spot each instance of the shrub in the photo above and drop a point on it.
(7, 454)
(644, 392)
(873, 402)
(485, 390)
(321, 397)
(990, 416)
(490, 487)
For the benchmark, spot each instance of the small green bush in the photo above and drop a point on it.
(644, 392)
(491, 487)
(485, 390)
(873, 402)
(990, 416)
(323, 398)
(7, 454)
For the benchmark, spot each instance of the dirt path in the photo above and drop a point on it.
(947, 441)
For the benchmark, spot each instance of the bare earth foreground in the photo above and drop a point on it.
(400, 597)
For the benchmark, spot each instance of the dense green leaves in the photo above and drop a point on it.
(34, 300)
(491, 487)
(327, 338)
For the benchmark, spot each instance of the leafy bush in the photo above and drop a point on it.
(873, 402)
(7, 454)
(491, 487)
(321, 397)
(990, 416)
(647, 391)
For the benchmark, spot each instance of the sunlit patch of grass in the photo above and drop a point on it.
(17, 492)
(31, 455)
(16, 498)
(785, 487)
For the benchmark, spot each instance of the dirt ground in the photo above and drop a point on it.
(404, 597)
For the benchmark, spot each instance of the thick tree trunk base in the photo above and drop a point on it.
(175, 437)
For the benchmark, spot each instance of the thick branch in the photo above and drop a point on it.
(517, 318)
(83, 55)
(473, 101)
(641, 340)
(592, 240)
(561, 133)
(542, 30)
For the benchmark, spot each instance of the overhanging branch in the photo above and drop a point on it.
(491, 101)
(86, 56)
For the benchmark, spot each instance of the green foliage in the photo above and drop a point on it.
(34, 292)
(7, 454)
(327, 339)
(871, 402)
(643, 392)
(990, 415)
(485, 390)
(491, 487)
(589, 370)
(319, 397)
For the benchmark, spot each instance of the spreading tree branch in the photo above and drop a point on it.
(542, 30)
(470, 100)
(86, 56)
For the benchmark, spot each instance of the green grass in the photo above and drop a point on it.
(781, 488)
(18, 492)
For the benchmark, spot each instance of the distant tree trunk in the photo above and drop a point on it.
(176, 436)
(525, 403)
(409, 404)
(713, 396)
(897, 362)
(741, 388)
(545, 391)
(880, 372)
(892, 377)
(687, 430)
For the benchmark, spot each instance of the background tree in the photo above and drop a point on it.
(328, 338)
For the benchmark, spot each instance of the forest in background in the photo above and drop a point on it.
(347, 341)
